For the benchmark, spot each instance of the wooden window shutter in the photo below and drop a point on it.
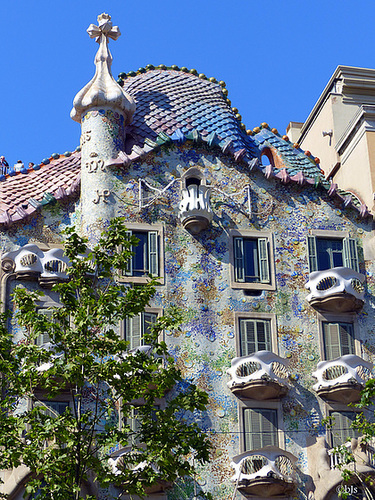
(247, 333)
(133, 331)
(253, 430)
(341, 427)
(332, 340)
(269, 428)
(350, 254)
(153, 253)
(255, 336)
(239, 260)
(129, 269)
(44, 338)
(346, 338)
(264, 336)
(260, 426)
(263, 260)
(312, 254)
(338, 339)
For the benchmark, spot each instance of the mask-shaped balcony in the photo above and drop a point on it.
(195, 211)
(342, 379)
(336, 290)
(266, 473)
(48, 267)
(116, 463)
(262, 375)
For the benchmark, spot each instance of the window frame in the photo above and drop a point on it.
(256, 235)
(192, 172)
(342, 318)
(147, 228)
(238, 316)
(41, 395)
(45, 305)
(348, 254)
(152, 310)
(329, 408)
(261, 405)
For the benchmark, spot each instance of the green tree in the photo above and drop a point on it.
(364, 426)
(67, 450)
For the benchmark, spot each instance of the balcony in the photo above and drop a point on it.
(32, 263)
(362, 452)
(265, 473)
(116, 463)
(342, 379)
(262, 375)
(195, 211)
(336, 290)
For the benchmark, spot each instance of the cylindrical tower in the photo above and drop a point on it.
(103, 109)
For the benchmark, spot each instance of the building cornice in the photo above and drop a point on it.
(349, 82)
(363, 120)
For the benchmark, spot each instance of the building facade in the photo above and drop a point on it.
(340, 130)
(272, 264)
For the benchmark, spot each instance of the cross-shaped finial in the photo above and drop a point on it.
(103, 90)
(105, 29)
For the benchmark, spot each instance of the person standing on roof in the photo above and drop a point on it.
(18, 166)
(4, 165)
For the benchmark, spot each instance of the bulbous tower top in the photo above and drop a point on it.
(103, 90)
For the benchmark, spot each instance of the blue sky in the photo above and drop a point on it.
(275, 57)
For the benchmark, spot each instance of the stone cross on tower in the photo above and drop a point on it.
(103, 108)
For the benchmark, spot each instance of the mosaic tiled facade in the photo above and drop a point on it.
(212, 267)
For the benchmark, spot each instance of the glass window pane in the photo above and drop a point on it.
(140, 259)
(251, 260)
(329, 253)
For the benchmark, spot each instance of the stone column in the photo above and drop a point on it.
(103, 109)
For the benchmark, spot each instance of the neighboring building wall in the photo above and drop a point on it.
(340, 109)
(354, 173)
(314, 141)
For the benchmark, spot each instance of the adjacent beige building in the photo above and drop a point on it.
(340, 130)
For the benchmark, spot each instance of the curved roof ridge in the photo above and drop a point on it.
(170, 99)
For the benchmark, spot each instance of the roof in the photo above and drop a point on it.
(23, 193)
(173, 106)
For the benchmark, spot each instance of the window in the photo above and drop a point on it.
(255, 335)
(260, 428)
(145, 260)
(192, 177)
(44, 338)
(136, 327)
(341, 429)
(338, 339)
(52, 408)
(147, 254)
(252, 260)
(134, 421)
(328, 252)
